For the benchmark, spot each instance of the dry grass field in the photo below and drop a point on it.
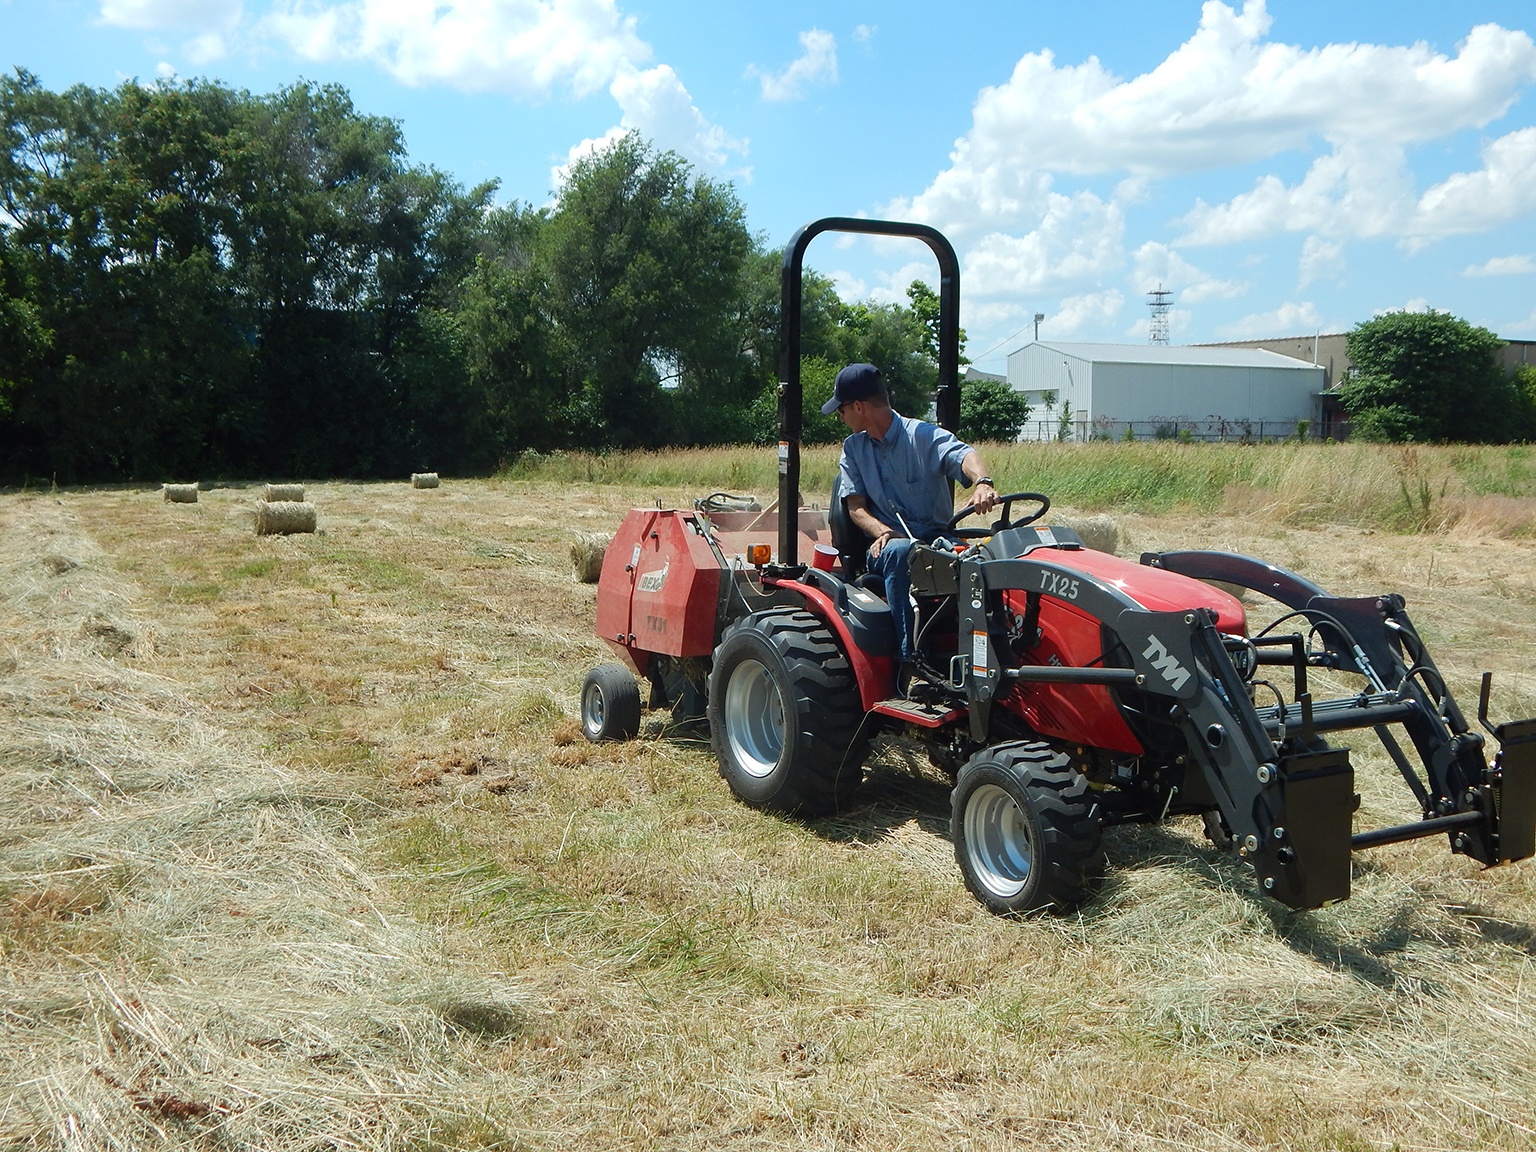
(301, 848)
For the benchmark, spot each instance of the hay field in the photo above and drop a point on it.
(300, 848)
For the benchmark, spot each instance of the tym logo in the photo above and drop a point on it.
(1166, 663)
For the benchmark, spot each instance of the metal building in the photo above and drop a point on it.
(1097, 391)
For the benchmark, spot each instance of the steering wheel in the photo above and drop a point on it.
(1004, 520)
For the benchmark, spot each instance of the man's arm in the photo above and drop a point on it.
(867, 522)
(985, 495)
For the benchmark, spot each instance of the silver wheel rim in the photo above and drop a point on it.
(592, 709)
(754, 718)
(997, 841)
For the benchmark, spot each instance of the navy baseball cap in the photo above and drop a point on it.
(855, 382)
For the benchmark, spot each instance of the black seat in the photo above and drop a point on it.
(849, 540)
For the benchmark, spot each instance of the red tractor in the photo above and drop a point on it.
(1064, 689)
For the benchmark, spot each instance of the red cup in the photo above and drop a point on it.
(824, 557)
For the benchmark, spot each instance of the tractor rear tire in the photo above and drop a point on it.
(785, 716)
(610, 704)
(1026, 833)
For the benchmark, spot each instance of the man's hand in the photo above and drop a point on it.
(985, 497)
(878, 543)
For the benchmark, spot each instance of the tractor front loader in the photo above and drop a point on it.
(1064, 689)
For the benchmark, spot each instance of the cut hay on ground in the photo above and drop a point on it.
(284, 517)
(424, 480)
(301, 848)
(283, 493)
(180, 493)
(587, 555)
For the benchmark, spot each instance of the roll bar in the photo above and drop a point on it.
(947, 400)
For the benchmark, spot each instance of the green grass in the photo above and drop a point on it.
(1411, 488)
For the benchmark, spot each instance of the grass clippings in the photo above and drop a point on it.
(302, 849)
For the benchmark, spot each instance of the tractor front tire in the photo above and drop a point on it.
(1026, 833)
(610, 704)
(785, 716)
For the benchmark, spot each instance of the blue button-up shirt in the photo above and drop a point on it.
(903, 473)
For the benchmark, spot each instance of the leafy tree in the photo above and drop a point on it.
(991, 410)
(516, 361)
(1525, 387)
(925, 310)
(1428, 377)
(645, 272)
(215, 282)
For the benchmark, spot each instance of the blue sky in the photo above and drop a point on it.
(1283, 168)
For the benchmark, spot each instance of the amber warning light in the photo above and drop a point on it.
(759, 554)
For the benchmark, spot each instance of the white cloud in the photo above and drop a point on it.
(1225, 96)
(655, 103)
(174, 14)
(1157, 264)
(212, 21)
(1230, 96)
(1502, 190)
(864, 33)
(1289, 318)
(1320, 259)
(1179, 322)
(1090, 312)
(205, 49)
(1362, 188)
(816, 65)
(526, 47)
(1417, 304)
(1502, 266)
(850, 289)
(1078, 237)
(1520, 327)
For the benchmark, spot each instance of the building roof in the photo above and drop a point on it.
(1181, 354)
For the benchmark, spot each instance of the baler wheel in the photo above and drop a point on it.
(610, 704)
(785, 715)
(1025, 831)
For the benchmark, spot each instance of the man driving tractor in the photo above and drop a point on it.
(893, 475)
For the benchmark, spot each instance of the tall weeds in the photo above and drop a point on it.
(1490, 490)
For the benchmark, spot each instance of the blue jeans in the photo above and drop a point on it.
(894, 566)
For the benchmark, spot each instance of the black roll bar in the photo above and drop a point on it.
(947, 402)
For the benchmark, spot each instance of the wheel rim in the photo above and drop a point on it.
(592, 709)
(754, 718)
(997, 841)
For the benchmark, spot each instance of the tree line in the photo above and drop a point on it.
(198, 281)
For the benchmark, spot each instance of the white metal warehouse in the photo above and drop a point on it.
(1087, 391)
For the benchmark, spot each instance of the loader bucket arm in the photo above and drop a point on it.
(948, 399)
(1487, 809)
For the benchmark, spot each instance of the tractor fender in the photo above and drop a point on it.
(876, 675)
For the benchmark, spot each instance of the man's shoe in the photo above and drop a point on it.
(906, 674)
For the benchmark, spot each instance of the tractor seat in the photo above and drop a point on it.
(850, 542)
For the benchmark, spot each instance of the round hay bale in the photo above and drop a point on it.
(1099, 532)
(423, 479)
(282, 517)
(287, 493)
(180, 493)
(587, 555)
